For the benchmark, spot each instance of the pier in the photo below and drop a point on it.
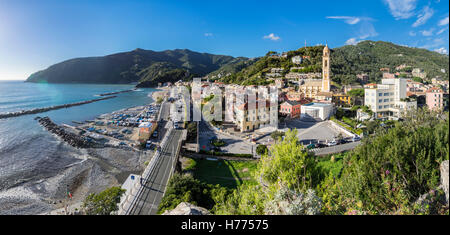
(41, 110)
(117, 92)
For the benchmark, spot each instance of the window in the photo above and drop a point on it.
(380, 107)
(386, 94)
(380, 101)
(380, 94)
(386, 100)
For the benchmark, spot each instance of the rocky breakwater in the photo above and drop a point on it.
(117, 92)
(70, 138)
(41, 110)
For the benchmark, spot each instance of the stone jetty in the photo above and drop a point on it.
(41, 110)
(117, 92)
(70, 138)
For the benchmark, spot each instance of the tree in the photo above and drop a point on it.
(288, 162)
(276, 135)
(261, 149)
(184, 188)
(104, 203)
(288, 167)
(359, 92)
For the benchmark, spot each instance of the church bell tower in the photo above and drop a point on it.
(326, 69)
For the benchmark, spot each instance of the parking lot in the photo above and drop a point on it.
(232, 144)
(319, 132)
(308, 132)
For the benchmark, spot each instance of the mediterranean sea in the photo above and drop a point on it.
(28, 153)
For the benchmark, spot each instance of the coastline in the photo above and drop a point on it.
(91, 171)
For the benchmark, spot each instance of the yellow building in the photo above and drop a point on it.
(251, 117)
(313, 86)
(342, 100)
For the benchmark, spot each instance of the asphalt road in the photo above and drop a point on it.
(155, 184)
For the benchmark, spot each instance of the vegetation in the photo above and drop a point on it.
(159, 100)
(144, 66)
(286, 169)
(184, 188)
(191, 132)
(225, 173)
(212, 153)
(149, 68)
(356, 93)
(218, 143)
(347, 62)
(261, 149)
(254, 74)
(103, 203)
(390, 171)
(277, 135)
(387, 174)
(369, 56)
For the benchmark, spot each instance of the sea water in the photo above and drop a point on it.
(28, 152)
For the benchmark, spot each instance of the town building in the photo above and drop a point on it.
(435, 99)
(290, 109)
(251, 116)
(324, 96)
(342, 100)
(311, 87)
(316, 111)
(363, 78)
(279, 83)
(389, 75)
(297, 59)
(388, 100)
(418, 72)
(145, 131)
(294, 96)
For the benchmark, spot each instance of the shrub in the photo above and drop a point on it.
(261, 149)
(103, 203)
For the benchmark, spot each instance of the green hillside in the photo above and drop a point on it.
(368, 57)
(348, 61)
(148, 68)
(145, 67)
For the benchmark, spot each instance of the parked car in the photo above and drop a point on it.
(332, 143)
(320, 145)
(356, 138)
(155, 134)
(310, 146)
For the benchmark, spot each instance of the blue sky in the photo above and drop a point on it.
(37, 34)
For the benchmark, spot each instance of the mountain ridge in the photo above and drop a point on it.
(148, 67)
(138, 65)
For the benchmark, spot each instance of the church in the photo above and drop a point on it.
(315, 88)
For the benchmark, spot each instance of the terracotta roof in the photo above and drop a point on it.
(292, 103)
(434, 90)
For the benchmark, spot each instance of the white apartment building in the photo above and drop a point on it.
(388, 99)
